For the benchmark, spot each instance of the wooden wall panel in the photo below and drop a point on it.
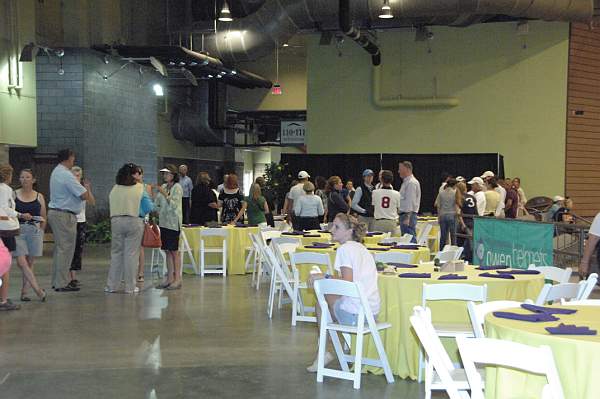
(582, 169)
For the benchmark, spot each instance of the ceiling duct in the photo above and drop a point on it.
(277, 21)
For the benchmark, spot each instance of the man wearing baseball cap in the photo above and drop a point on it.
(293, 195)
(362, 201)
(557, 203)
(487, 177)
(477, 186)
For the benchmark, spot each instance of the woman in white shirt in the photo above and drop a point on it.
(81, 228)
(308, 208)
(353, 262)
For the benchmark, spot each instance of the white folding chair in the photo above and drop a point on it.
(222, 249)
(569, 291)
(257, 245)
(393, 256)
(264, 236)
(556, 274)
(458, 250)
(442, 375)
(423, 236)
(405, 239)
(185, 249)
(286, 240)
(365, 325)
(279, 276)
(311, 258)
(495, 352)
(588, 286)
(477, 313)
(159, 267)
(582, 302)
(447, 255)
(452, 292)
(267, 235)
(280, 250)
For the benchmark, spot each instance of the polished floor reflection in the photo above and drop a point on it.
(212, 339)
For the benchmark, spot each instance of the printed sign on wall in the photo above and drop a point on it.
(293, 132)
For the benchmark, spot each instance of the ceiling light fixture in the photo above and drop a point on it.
(158, 90)
(225, 15)
(386, 10)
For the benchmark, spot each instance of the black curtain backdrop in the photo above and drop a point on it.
(428, 168)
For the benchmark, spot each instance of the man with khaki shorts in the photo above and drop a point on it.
(386, 204)
(66, 201)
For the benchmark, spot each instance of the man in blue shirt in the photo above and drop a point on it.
(187, 185)
(66, 201)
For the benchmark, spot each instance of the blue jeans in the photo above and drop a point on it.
(447, 226)
(411, 227)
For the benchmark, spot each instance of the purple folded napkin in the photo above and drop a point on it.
(452, 277)
(324, 231)
(535, 317)
(415, 275)
(374, 233)
(401, 265)
(311, 235)
(570, 329)
(292, 233)
(544, 309)
(242, 225)
(322, 244)
(506, 276)
(316, 247)
(406, 246)
(378, 248)
(491, 267)
(519, 271)
(386, 244)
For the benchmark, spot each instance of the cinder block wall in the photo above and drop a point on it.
(108, 122)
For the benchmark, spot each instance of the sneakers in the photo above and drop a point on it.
(315, 365)
(109, 291)
(8, 305)
(135, 291)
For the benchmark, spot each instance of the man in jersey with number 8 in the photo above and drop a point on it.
(386, 204)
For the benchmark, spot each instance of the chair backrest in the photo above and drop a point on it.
(551, 292)
(393, 256)
(269, 234)
(438, 357)
(423, 236)
(447, 255)
(588, 286)
(276, 268)
(582, 302)
(477, 313)
(311, 258)
(214, 232)
(286, 240)
(348, 289)
(280, 250)
(556, 274)
(537, 360)
(453, 291)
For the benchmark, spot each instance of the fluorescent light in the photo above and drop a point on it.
(158, 90)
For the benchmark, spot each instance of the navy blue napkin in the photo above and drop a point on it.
(406, 246)
(491, 267)
(570, 329)
(324, 231)
(311, 235)
(374, 233)
(544, 309)
(401, 265)
(292, 233)
(415, 275)
(535, 317)
(452, 277)
(378, 249)
(519, 271)
(322, 244)
(492, 275)
(386, 244)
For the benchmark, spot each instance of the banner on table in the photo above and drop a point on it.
(512, 243)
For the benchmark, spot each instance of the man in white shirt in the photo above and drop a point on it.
(477, 185)
(294, 194)
(487, 176)
(410, 199)
(386, 204)
(187, 185)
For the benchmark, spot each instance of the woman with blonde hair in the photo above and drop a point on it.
(204, 201)
(256, 206)
(354, 263)
(31, 240)
(336, 203)
(232, 202)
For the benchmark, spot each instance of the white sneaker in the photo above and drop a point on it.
(315, 365)
(135, 291)
(108, 290)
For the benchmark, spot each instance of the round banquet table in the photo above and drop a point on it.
(577, 357)
(312, 236)
(238, 241)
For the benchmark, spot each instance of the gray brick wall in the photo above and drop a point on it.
(107, 122)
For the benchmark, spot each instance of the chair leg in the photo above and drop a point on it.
(339, 351)
(295, 305)
(248, 258)
(383, 357)
(358, 359)
(280, 296)
(321, 352)
(259, 272)
(428, 377)
(202, 260)
(271, 296)
(420, 371)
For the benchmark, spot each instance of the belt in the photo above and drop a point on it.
(63, 210)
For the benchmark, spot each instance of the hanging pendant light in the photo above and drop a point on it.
(386, 10)
(225, 15)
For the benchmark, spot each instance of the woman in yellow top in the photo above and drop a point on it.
(492, 198)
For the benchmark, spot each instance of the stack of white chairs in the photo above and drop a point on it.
(280, 276)
(567, 291)
(451, 292)
(365, 325)
(299, 310)
(556, 274)
(443, 375)
(205, 249)
(495, 352)
(393, 256)
(264, 237)
(477, 313)
(277, 286)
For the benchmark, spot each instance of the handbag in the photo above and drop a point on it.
(151, 237)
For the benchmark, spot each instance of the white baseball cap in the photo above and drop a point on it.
(557, 198)
(165, 170)
(303, 175)
(487, 173)
(477, 180)
(460, 178)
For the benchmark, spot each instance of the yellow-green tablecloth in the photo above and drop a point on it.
(326, 237)
(577, 357)
(238, 241)
(400, 295)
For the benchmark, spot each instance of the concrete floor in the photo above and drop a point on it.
(212, 339)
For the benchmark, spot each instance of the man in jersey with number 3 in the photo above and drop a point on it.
(386, 204)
